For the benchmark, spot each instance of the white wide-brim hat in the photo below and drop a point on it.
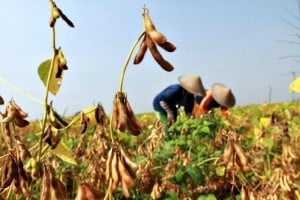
(223, 95)
(192, 84)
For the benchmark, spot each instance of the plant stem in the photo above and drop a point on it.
(20, 91)
(47, 94)
(127, 60)
(207, 160)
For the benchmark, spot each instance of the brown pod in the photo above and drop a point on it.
(84, 123)
(127, 180)
(157, 56)
(151, 30)
(46, 185)
(10, 171)
(240, 154)
(100, 114)
(132, 125)
(228, 152)
(20, 122)
(168, 46)
(115, 113)
(66, 19)
(20, 112)
(128, 160)
(108, 163)
(123, 118)
(157, 37)
(148, 24)
(141, 53)
(115, 175)
(124, 173)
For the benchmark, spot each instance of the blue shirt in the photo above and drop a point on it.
(175, 96)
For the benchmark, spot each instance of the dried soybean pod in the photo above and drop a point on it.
(66, 19)
(157, 56)
(240, 154)
(141, 53)
(128, 160)
(228, 151)
(100, 114)
(10, 170)
(124, 173)
(132, 125)
(108, 163)
(115, 176)
(168, 46)
(151, 30)
(127, 180)
(20, 122)
(46, 185)
(123, 118)
(20, 112)
(115, 113)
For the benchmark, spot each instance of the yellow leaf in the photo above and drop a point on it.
(43, 72)
(295, 85)
(264, 122)
(64, 153)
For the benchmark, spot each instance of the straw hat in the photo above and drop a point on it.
(192, 84)
(223, 95)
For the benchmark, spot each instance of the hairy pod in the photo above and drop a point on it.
(55, 119)
(133, 125)
(20, 122)
(23, 179)
(59, 189)
(46, 185)
(100, 114)
(240, 153)
(157, 37)
(10, 172)
(127, 180)
(66, 19)
(87, 192)
(56, 13)
(7, 134)
(20, 112)
(125, 173)
(157, 56)
(141, 52)
(228, 152)
(123, 118)
(151, 30)
(128, 160)
(84, 123)
(115, 113)
(10, 114)
(168, 46)
(108, 163)
(115, 175)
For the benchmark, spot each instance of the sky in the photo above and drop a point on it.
(242, 44)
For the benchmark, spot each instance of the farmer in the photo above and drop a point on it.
(217, 96)
(167, 102)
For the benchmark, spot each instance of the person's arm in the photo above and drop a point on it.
(170, 114)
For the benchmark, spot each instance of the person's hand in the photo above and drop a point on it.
(170, 120)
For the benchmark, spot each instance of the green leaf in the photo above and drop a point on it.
(43, 72)
(180, 175)
(268, 143)
(64, 153)
(207, 197)
(195, 174)
(220, 170)
(205, 129)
